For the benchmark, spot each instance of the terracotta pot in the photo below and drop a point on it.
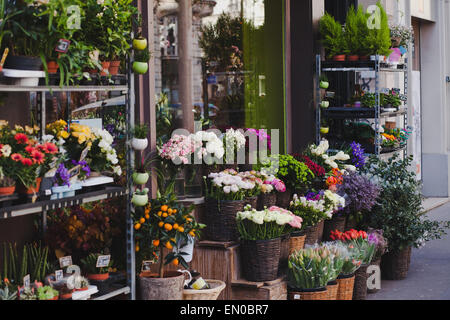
(98, 277)
(364, 58)
(168, 288)
(105, 65)
(353, 58)
(7, 191)
(52, 67)
(114, 67)
(31, 190)
(340, 57)
(54, 298)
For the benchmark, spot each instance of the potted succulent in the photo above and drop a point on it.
(260, 235)
(309, 271)
(164, 225)
(140, 197)
(140, 140)
(47, 293)
(28, 294)
(398, 213)
(93, 272)
(81, 283)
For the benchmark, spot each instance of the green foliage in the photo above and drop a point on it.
(164, 120)
(90, 264)
(380, 38)
(351, 33)
(46, 293)
(140, 131)
(399, 209)
(333, 38)
(142, 56)
(368, 100)
(363, 32)
(6, 293)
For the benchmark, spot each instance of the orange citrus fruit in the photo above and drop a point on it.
(159, 213)
(142, 220)
(175, 262)
(137, 226)
(180, 229)
(169, 211)
(164, 215)
(161, 224)
(156, 243)
(168, 245)
(164, 208)
(147, 216)
(168, 226)
(175, 226)
(192, 234)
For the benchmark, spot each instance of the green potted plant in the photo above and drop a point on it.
(28, 294)
(140, 140)
(333, 38)
(140, 197)
(141, 59)
(6, 291)
(260, 235)
(351, 34)
(380, 38)
(398, 213)
(93, 272)
(47, 293)
(141, 176)
(7, 184)
(323, 82)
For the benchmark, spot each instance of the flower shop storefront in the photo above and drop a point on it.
(157, 160)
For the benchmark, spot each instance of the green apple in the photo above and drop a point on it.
(140, 43)
(140, 67)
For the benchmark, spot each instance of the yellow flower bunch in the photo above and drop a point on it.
(58, 129)
(82, 133)
(389, 137)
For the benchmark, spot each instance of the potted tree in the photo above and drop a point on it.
(93, 272)
(398, 213)
(380, 38)
(333, 38)
(260, 235)
(351, 34)
(162, 229)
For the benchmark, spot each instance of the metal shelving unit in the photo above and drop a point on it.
(16, 208)
(348, 113)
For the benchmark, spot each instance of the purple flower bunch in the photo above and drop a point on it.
(313, 196)
(376, 237)
(359, 160)
(62, 176)
(84, 167)
(361, 193)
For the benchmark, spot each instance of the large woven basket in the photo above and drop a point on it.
(345, 287)
(284, 199)
(336, 223)
(318, 294)
(220, 220)
(284, 253)
(216, 287)
(360, 288)
(260, 259)
(332, 290)
(395, 265)
(374, 263)
(320, 230)
(296, 242)
(253, 201)
(267, 200)
(312, 234)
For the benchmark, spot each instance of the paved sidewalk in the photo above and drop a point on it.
(429, 274)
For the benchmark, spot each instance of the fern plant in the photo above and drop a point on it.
(333, 39)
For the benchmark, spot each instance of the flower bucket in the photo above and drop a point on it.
(395, 265)
(7, 191)
(105, 66)
(345, 287)
(336, 223)
(220, 220)
(312, 294)
(284, 253)
(52, 67)
(332, 290)
(296, 242)
(266, 200)
(360, 286)
(260, 259)
(168, 288)
(312, 234)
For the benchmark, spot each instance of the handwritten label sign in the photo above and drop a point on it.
(59, 275)
(62, 46)
(26, 281)
(65, 261)
(103, 261)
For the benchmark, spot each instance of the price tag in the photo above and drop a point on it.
(59, 275)
(62, 46)
(65, 261)
(297, 297)
(26, 281)
(103, 261)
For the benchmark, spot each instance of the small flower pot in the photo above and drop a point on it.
(340, 57)
(325, 104)
(364, 58)
(98, 277)
(82, 289)
(139, 200)
(105, 66)
(140, 44)
(7, 191)
(66, 296)
(324, 84)
(353, 58)
(114, 68)
(139, 144)
(357, 104)
(140, 67)
(140, 178)
(324, 130)
(21, 189)
(52, 67)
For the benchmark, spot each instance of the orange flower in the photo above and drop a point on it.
(38, 157)
(16, 157)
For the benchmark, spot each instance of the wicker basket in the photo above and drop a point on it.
(376, 263)
(395, 265)
(284, 253)
(317, 294)
(216, 287)
(267, 200)
(332, 290)
(312, 234)
(253, 201)
(345, 287)
(296, 242)
(360, 286)
(320, 227)
(336, 223)
(284, 199)
(260, 259)
(220, 220)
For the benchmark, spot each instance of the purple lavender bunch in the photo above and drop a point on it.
(359, 160)
(361, 192)
(62, 176)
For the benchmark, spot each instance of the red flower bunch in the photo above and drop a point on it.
(318, 170)
(336, 178)
(348, 235)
